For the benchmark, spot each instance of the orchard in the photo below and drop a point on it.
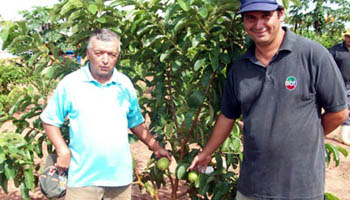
(177, 54)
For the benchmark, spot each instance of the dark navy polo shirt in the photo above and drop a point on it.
(284, 156)
(342, 57)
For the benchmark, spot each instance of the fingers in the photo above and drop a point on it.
(61, 167)
(193, 164)
(63, 163)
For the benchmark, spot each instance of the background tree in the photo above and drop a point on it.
(322, 21)
(178, 51)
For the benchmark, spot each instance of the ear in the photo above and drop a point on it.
(282, 15)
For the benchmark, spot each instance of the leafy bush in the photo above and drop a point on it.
(10, 75)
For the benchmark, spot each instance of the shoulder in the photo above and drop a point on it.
(337, 47)
(72, 78)
(307, 48)
(122, 78)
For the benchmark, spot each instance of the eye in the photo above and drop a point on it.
(97, 53)
(113, 54)
(248, 17)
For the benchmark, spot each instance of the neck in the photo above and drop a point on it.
(265, 52)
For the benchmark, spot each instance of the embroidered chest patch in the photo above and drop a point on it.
(291, 83)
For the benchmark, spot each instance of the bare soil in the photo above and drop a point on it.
(337, 178)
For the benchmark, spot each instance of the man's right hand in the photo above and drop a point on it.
(63, 159)
(200, 162)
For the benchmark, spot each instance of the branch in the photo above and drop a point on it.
(173, 108)
(183, 144)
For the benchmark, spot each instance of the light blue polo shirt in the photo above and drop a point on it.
(100, 116)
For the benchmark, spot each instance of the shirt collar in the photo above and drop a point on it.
(88, 77)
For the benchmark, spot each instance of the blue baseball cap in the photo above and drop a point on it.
(257, 5)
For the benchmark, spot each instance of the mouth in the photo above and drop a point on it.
(104, 68)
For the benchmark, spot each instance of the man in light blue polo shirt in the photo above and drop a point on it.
(102, 105)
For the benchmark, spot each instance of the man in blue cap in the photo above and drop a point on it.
(341, 54)
(279, 87)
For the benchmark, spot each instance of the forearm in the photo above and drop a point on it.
(142, 132)
(56, 138)
(221, 131)
(330, 121)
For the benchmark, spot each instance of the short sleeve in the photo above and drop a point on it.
(57, 108)
(330, 86)
(134, 115)
(230, 106)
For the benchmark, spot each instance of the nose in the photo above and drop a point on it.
(259, 24)
(105, 58)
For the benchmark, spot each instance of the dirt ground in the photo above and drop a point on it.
(337, 178)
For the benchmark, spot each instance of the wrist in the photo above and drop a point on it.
(62, 151)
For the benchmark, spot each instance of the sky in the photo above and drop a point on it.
(9, 10)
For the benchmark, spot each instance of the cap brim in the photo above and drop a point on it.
(258, 7)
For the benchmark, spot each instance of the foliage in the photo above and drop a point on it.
(334, 152)
(176, 50)
(327, 17)
(181, 50)
(19, 147)
(10, 75)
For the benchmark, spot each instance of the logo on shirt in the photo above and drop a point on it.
(291, 83)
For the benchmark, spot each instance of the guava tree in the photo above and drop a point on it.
(178, 51)
(181, 50)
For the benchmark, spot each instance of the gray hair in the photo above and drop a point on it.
(103, 35)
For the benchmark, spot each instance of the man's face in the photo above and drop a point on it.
(263, 26)
(102, 56)
(347, 41)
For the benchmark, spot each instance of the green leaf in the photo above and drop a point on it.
(150, 41)
(225, 146)
(24, 191)
(132, 138)
(235, 145)
(75, 15)
(188, 119)
(214, 60)
(180, 25)
(3, 183)
(199, 63)
(181, 171)
(185, 4)
(332, 150)
(2, 157)
(165, 55)
(169, 129)
(203, 12)
(101, 20)
(285, 3)
(195, 99)
(93, 9)
(29, 178)
(5, 33)
(329, 196)
(10, 170)
(343, 151)
(169, 12)
(144, 30)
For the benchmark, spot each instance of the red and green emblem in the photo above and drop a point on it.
(291, 83)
